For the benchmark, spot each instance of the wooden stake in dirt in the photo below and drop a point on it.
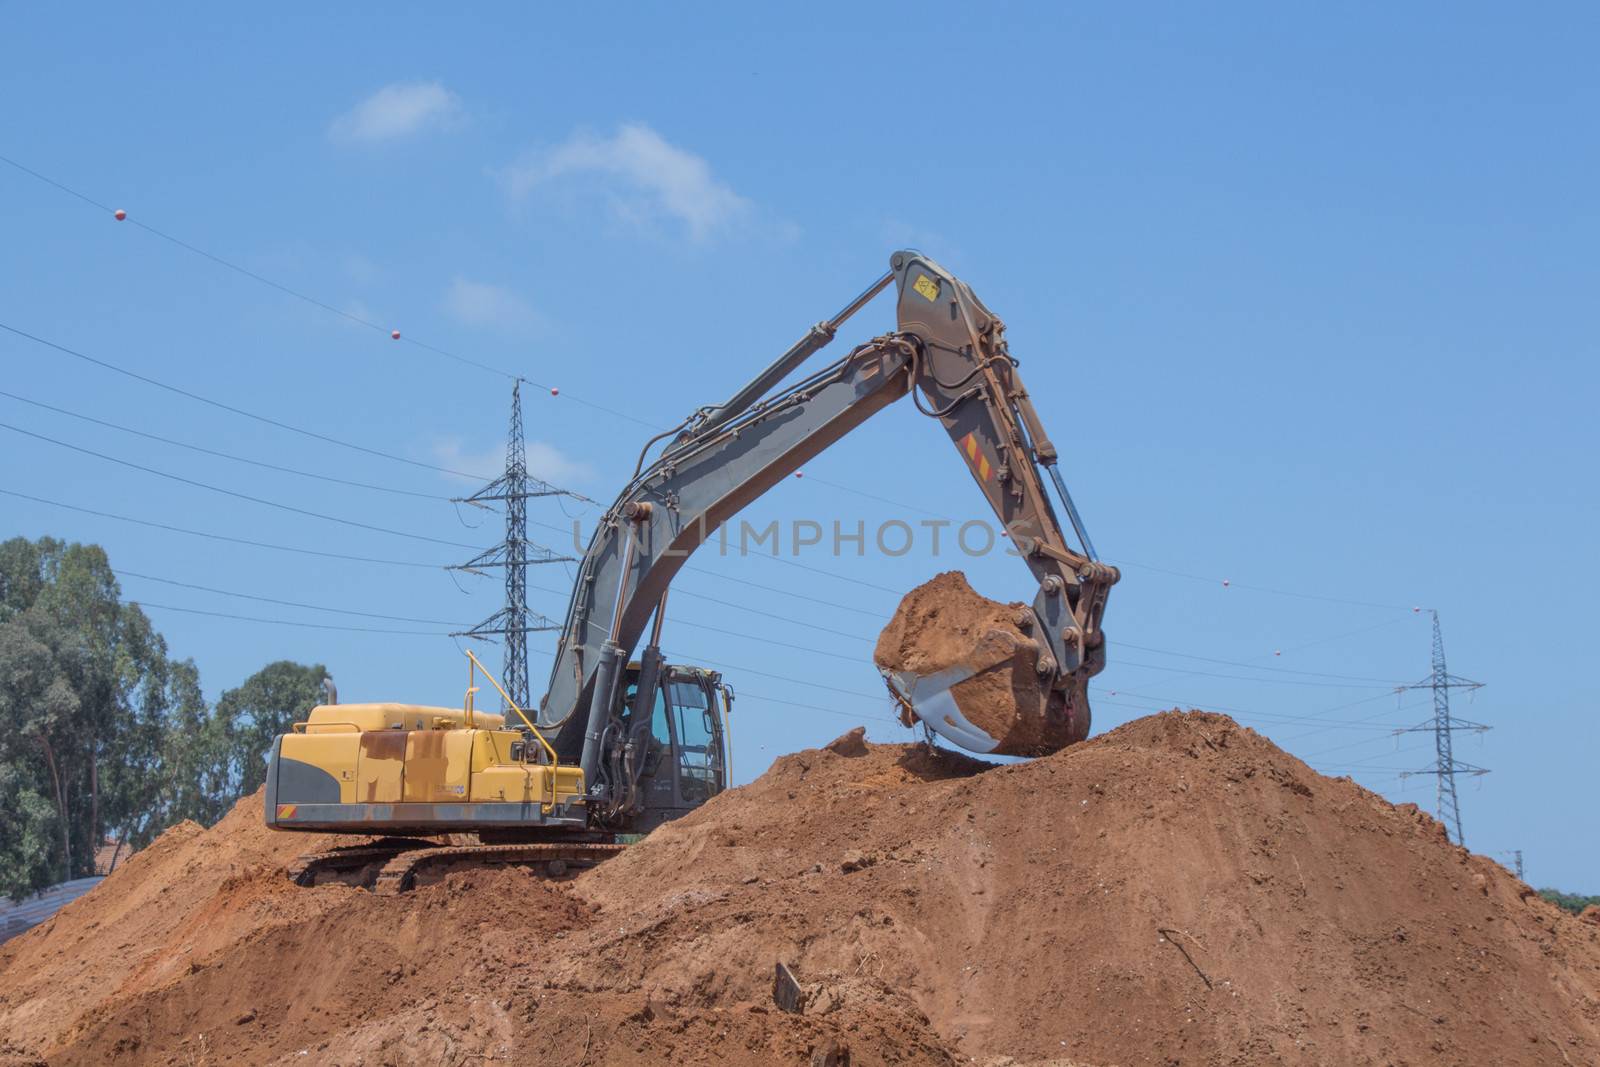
(1171, 936)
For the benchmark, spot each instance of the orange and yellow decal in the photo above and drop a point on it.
(286, 811)
(969, 445)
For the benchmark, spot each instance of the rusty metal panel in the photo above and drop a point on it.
(380, 771)
(438, 766)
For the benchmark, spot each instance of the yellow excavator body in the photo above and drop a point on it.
(408, 767)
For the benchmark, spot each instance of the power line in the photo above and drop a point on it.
(1388, 733)
(440, 633)
(1270, 718)
(1224, 582)
(223, 455)
(286, 622)
(315, 607)
(1228, 583)
(325, 306)
(782, 644)
(221, 537)
(1386, 684)
(880, 616)
(676, 591)
(1189, 672)
(1315, 716)
(1121, 643)
(878, 697)
(283, 603)
(402, 563)
(1351, 704)
(874, 496)
(1292, 648)
(313, 301)
(233, 493)
(817, 707)
(328, 307)
(229, 407)
(836, 576)
(557, 592)
(245, 271)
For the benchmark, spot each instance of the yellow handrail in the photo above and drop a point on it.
(555, 760)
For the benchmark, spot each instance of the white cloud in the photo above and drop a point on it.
(396, 111)
(645, 177)
(555, 466)
(491, 306)
(544, 461)
(898, 233)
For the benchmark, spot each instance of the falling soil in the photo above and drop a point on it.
(945, 624)
(1175, 891)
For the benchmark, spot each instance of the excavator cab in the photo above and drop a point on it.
(683, 748)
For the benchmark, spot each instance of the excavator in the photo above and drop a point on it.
(618, 744)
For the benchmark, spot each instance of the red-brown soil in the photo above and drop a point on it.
(1175, 891)
(945, 623)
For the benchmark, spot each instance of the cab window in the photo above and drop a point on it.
(659, 730)
(658, 721)
(697, 749)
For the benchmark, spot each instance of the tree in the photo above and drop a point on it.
(73, 661)
(101, 731)
(28, 834)
(267, 704)
(1573, 902)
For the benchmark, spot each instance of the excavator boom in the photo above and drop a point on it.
(950, 352)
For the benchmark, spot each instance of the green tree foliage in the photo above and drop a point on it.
(102, 733)
(268, 703)
(1573, 902)
(76, 676)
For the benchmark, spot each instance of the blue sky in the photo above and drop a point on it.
(1307, 301)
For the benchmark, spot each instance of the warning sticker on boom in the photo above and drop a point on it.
(927, 287)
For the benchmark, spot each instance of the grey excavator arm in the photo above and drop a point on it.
(950, 350)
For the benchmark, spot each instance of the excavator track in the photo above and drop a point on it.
(551, 858)
(306, 869)
(392, 865)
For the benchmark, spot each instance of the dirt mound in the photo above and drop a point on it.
(1178, 890)
(191, 893)
(945, 630)
(199, 951)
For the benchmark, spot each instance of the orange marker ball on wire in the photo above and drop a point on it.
(554, 391)
(119, 214)
(394, 335)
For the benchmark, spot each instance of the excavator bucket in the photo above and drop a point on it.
(971, 670)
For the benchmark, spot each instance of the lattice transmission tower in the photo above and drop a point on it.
(1445, 766)
(513, 623)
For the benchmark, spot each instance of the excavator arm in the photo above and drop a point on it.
(950, 352)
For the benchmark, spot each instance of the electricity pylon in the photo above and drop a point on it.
(1445, 766)
(514, 622)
